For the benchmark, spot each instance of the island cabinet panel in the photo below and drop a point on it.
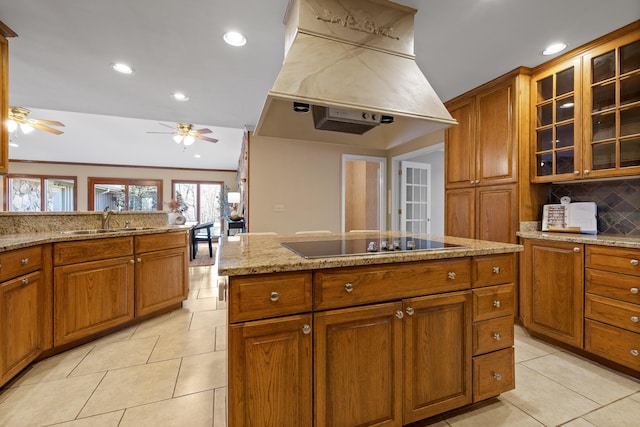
(91, 250)
(91, 297)
(342, 287)
(493, 373)
(358, 366)
(437, 354)
(270, 372)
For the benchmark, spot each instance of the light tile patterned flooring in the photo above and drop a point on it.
(171, 371)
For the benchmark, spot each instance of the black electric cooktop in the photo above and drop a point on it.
(363, 246)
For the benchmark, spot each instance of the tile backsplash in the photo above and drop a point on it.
(618, 203)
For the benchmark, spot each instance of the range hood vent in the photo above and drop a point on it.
(356, 56)
(346, 121)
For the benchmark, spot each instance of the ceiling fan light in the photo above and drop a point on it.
(179, 96)
(188, 140)
(26, 128)
(122, 68)
(234, 38)
(178, 138)
(11, 125)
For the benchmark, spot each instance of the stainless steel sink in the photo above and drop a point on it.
(105, 230)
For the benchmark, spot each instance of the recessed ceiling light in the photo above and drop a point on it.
(13, 144)
(179, 96)
(122, 68)
(234, 38)
(554, 48)
(197, 156)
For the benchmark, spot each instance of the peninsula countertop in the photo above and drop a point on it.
(244, 254)
(597, 239)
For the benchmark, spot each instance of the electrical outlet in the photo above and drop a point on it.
(278, 208)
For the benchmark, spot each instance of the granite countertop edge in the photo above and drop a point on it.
(597, 239)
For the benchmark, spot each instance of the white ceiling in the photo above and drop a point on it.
(60, 65)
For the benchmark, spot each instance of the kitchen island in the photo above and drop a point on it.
(386, 338)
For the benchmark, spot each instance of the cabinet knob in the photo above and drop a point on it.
(634, 262)
(274, 296)
(497, 336)
(139, 260)
(576, 173)
(635, 319)
(348, 287)
(496, 303)
(634, 352)
(410, 311)
(399, 314)
(497, 376)
(477, 181)
(306, 329)
(132, 261)
(634, 290)
(25, 261)
(471, 182)
(576, 249)
(451, 275)
(495, 270)
(586, 171)
(25, 281)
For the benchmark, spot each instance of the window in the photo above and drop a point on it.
(35, 193)
(122, 194)
(201, 198)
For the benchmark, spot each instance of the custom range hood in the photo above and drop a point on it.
(349, 76)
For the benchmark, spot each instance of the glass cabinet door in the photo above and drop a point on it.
(556, 122)
(612, 108)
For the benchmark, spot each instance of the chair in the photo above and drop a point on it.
(201, 233)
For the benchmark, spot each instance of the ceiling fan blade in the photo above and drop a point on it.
(46, 128)
(204, 130)
(165, 133)
(166, 125)
(206, 138)
(49, 122)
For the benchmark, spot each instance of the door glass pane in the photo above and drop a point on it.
(143, 197)
(630, 57)
(603, 127)
(603, 67)
(59, 194)
(564, 161)
(630, 153)
(630, 121)
(604, 156)
(604, 97)
(545, 89)
(545, 164)
(564, 136)
(630, 90)
(545, 140)
(111, 195)
(189, 193)
(25, 194)
(545, 114)
(564, 82)
(564, 109)
(209, 206)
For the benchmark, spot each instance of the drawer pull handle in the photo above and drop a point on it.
(634, 290)
(496, 270)
(25, 281)
(634, 262)
(634, 319)
(25, 261)
(348, 287)
(131, 261)
(451, 275)
(410, 311)
(497, 336)
(576, 249)
(399, 314)
(274, 296)
(139, 259)
(497, 376)
(634, 352)
(496, 303)
(306, 329)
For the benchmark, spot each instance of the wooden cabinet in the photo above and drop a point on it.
(22, 309)
(161, 272)
(5, 32)
(553, 289)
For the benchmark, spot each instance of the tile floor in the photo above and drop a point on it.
(171, 371)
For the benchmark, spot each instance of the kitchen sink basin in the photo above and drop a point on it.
(105, 230)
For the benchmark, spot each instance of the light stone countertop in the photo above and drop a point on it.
(598, 239)
(256, 254)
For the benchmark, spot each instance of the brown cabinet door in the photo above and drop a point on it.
(4, 105)
(496, 213)
(92, 297)
(460, 212)
(459, 153)
(553, 289)
(161, 280)
(358, 368)
(270, 372)
(437, 354)
(21, 323)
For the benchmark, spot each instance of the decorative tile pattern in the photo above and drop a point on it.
(618, 203)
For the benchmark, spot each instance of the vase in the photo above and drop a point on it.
(176, 218)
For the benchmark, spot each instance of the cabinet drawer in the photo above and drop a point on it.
(494, 270)
(493, 373)
(613, 312)
(493, 301)
(491, 335)
(20, 261)
(613, 285)
(91, 250)
(617, 260)
(613, 343)
(160, 241)
(345, 287)
(262, 296)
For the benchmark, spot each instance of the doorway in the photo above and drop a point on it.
(363, 192)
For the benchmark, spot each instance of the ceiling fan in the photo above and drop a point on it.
(18, 116)
(187, 134)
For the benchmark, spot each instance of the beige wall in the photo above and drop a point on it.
(305, 177)
(82, 172)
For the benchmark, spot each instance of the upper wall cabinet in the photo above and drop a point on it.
(5, 32)
(585, 111)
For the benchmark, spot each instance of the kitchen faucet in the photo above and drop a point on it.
(106, 215)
